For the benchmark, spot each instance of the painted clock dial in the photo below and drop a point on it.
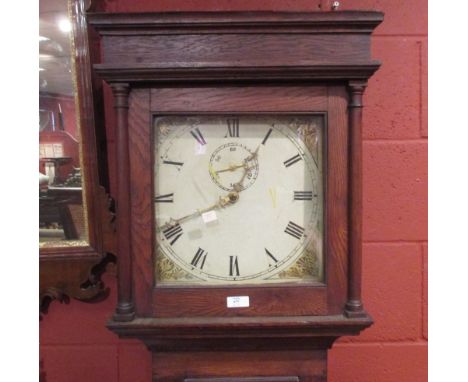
(238, 199)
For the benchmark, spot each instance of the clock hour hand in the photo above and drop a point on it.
(222, 202)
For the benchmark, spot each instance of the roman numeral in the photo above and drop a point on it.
(271, 256)
(294, 230)
(266, 136)
(200, 255)
(303, 195)
(233, 266)
(233, 127)
(198, 136)
(292, 160)
(173, 232)
(168, 198)
(174, 163)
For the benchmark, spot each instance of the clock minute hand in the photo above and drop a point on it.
(222, 202)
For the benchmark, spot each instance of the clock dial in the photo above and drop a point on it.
(239, 199)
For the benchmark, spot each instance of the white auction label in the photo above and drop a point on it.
(238, 302)
(209, 216)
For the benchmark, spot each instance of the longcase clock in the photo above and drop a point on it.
(239, 188)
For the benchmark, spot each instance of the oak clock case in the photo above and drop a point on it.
(238, 199)
(239, 188)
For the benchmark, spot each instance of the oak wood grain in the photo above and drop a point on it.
(246, 98)
(337, 198)
(231, 366)
(264, 301)
(141, 181)
(219, 49)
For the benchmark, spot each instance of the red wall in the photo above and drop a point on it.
(69, 137)
(67, 103)
(75, 346)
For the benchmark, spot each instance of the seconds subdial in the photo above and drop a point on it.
(231, 163)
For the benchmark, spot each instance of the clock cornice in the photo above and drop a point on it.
(235, 46)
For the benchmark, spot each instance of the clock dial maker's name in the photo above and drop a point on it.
(237, 199)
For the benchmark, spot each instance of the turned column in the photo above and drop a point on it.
(354, 307)
(125, 308)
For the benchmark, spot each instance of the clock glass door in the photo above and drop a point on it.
(238, 199)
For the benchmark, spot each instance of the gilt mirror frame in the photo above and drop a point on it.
(72, 269)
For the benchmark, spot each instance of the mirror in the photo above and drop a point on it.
(75, 225)
(62, 216)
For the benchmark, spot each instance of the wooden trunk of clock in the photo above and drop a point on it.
(244, 65)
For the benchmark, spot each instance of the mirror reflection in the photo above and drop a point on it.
(62, 219)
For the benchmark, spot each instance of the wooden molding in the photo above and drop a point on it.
(263, 22)
(228, 333)
(203, 72)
